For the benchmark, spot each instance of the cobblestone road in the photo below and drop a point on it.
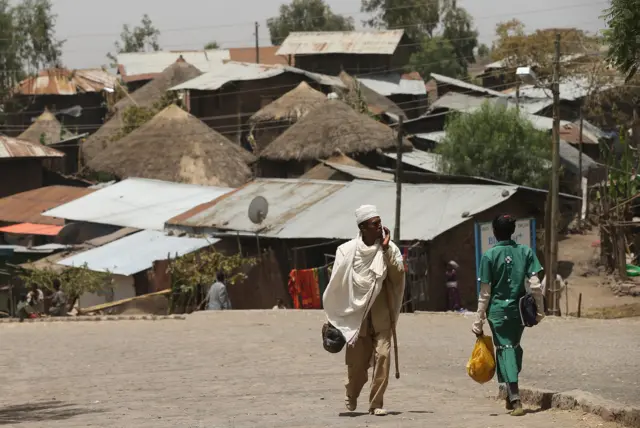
(267, 369)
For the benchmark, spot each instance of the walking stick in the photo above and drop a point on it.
(391, 307)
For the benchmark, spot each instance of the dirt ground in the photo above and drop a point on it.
(576, 255)
(251, 369)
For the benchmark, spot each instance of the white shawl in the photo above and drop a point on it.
(356, 281)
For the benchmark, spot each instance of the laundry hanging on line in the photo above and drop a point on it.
(306, 287)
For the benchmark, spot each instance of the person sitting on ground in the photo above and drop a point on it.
(217, 298)
(23, 308)
(58, 301)
(35, 298)
(279, 305)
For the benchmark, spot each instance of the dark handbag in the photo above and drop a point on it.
(528, 310)
(332, 339)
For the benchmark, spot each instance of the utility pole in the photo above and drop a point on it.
(580, 169)
(555, 166)
(257, 45)
(396, 230)
(518, 96)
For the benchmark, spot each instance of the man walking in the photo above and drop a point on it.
(217, 298)
(363, 301)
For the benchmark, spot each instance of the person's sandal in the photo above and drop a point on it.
(350, 403)
(517, 409)
(378, 412)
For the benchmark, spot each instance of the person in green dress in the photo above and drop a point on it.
(504, 269)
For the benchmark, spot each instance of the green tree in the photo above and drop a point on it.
(416, 17)
(622, 36)
(27, 42)
(484, 51)
(212, 45)
(458, 30)
(436, 55)
(306, 15)
(74, 281)
(139, 39)
(496, 142)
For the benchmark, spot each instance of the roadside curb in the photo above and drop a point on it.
(96, 318)
(578, 400)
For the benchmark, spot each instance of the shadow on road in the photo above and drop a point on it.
(41, 412)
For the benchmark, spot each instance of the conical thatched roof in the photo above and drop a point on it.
(177, 73)
(292, 106)
(176, 146)
(376, 103)
(330, 128)
(48, 126)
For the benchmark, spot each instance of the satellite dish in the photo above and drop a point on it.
(69, 234)
(258, 209)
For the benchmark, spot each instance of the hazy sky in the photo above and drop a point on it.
(91, 26)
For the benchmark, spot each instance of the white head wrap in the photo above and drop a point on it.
(366, 212)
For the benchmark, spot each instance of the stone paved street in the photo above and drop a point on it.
(268, 369)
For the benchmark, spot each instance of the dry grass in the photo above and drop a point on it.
(146, 96)
(332, 128)
(176, 146)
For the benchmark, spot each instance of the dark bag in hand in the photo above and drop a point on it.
(528, 310)
(332, 339)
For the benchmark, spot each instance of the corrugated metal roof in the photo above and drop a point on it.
(426, 161)
(60, 81)
(571, 134)
(394, 84)
(341, 42)
(136, 253)
(286, 199)
(428, 210)
(436, 136)
(42, 249)
(361, 173)
(32, 229)
(466, 85)
(14, 148)
(570, 157)
(571, 89)
(239, 71)
(137, 202)
(27, 207)
(268, 55)
(146, 65)
(459, 102)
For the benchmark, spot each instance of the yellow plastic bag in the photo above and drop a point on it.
(482, 364)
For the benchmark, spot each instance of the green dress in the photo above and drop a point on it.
(505, 267)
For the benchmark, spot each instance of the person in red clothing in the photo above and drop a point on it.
(453, 294)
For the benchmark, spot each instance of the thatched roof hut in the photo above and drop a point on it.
(146, 96)
(292, 106)
(331, 127)
(376, 103)
(47, 129)
(273, 119)
(176, 146)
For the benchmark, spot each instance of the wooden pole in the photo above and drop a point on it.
(566, 299)
(396, 231)
(579, 304)
(553, 265)
(257, 44)
(580, 168)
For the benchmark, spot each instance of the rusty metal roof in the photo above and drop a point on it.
(287, 199)
(15, 148)
(136, 66)
(60, 81)
(341, 42)
(27, 207)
